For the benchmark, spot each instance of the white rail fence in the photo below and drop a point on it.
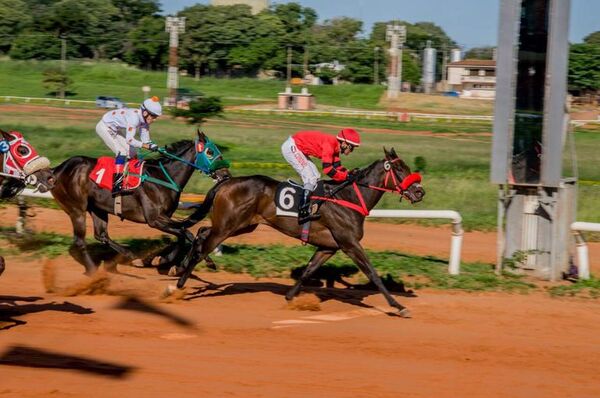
(582, 249)
(455, 242)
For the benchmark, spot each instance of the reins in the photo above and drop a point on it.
(399, 188)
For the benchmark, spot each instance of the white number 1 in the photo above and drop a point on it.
(100, 174)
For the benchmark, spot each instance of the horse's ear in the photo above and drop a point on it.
(387, 154)
(201, 135)
(4, 134)
(393, 153)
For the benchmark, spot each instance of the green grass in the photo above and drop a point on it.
(277, 261)
(90, 79)
(457, 162)
(585, 289)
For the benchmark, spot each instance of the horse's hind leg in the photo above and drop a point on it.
(2, 265)
(318, 259)
(100, 219)
(79, 248)
(199, 251)
(358, 255)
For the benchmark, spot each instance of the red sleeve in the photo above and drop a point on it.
(331, 162)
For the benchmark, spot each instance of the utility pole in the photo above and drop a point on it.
(289, 66)
(376, 66)
(174, 26)
(444, 65)
(305, 66)
(63, 65)
(396, 35)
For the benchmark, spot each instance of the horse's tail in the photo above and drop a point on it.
(203, 208)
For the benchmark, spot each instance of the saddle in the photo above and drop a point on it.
(287, 197)
(103, 172)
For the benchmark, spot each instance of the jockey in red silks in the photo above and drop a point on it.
(304, 144)
(118, 128)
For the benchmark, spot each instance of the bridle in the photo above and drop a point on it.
(399, 187)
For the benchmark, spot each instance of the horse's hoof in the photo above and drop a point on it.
(156, 261)
(174, 271)
(139, 263)
(210, 265)
(404, 313)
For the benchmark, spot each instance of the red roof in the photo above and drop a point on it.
(474, 62)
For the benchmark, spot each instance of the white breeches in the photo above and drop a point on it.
(113, 141)
(303, 166)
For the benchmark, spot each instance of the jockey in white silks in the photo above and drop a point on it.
(118, 129)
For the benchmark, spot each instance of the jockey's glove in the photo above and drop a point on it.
(152, 147)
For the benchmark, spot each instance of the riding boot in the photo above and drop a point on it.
(118, 175)
(117, 184)
(304, 209)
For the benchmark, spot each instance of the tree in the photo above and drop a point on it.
(14, 17)
(211, 33)
(90, 25)
(480, 53)
(35, 45)
(57, 81)
(592, 38)
(584, 67)
(133, 11)
(200, 109)
(148, 44)
(264, 42)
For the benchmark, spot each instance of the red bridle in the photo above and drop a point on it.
(399, 187)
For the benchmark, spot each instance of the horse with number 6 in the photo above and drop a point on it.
(241, 203)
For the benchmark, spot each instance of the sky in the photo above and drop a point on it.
(470, 23)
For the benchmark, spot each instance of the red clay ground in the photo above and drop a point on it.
(240, 340)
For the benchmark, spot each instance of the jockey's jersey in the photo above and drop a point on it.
(127, 122)
(325, 147)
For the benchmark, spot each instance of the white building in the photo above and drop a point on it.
(474, 78)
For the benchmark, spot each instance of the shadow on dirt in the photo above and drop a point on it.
(135, 304)
(352, 294)
(10, 310)
(37, 358)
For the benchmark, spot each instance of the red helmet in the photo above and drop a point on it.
(349, 136)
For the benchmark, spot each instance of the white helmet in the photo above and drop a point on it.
(152, 106)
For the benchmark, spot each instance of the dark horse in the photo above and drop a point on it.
(20, 166)
(153, 203)
(240, 204)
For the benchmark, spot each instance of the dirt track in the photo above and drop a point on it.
(238, 339)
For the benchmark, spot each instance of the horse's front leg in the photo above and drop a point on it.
(165, 224)
(100, 220)
(2, 265)
(355, 251)
(318, 259)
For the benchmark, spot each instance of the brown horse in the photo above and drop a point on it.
(153, 203)
(240, 204)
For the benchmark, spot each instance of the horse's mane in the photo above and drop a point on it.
(177, 148)
(362, 172)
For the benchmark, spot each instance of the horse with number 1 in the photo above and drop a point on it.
(150, 195)
(239, 204)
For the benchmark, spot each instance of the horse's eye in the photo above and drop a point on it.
(209, 153)
(23, 150)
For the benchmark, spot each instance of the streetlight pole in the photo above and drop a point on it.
(396, 35)
(174, 26)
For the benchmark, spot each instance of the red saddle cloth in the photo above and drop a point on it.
(102, 174)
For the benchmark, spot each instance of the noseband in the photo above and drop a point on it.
(399, 186)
